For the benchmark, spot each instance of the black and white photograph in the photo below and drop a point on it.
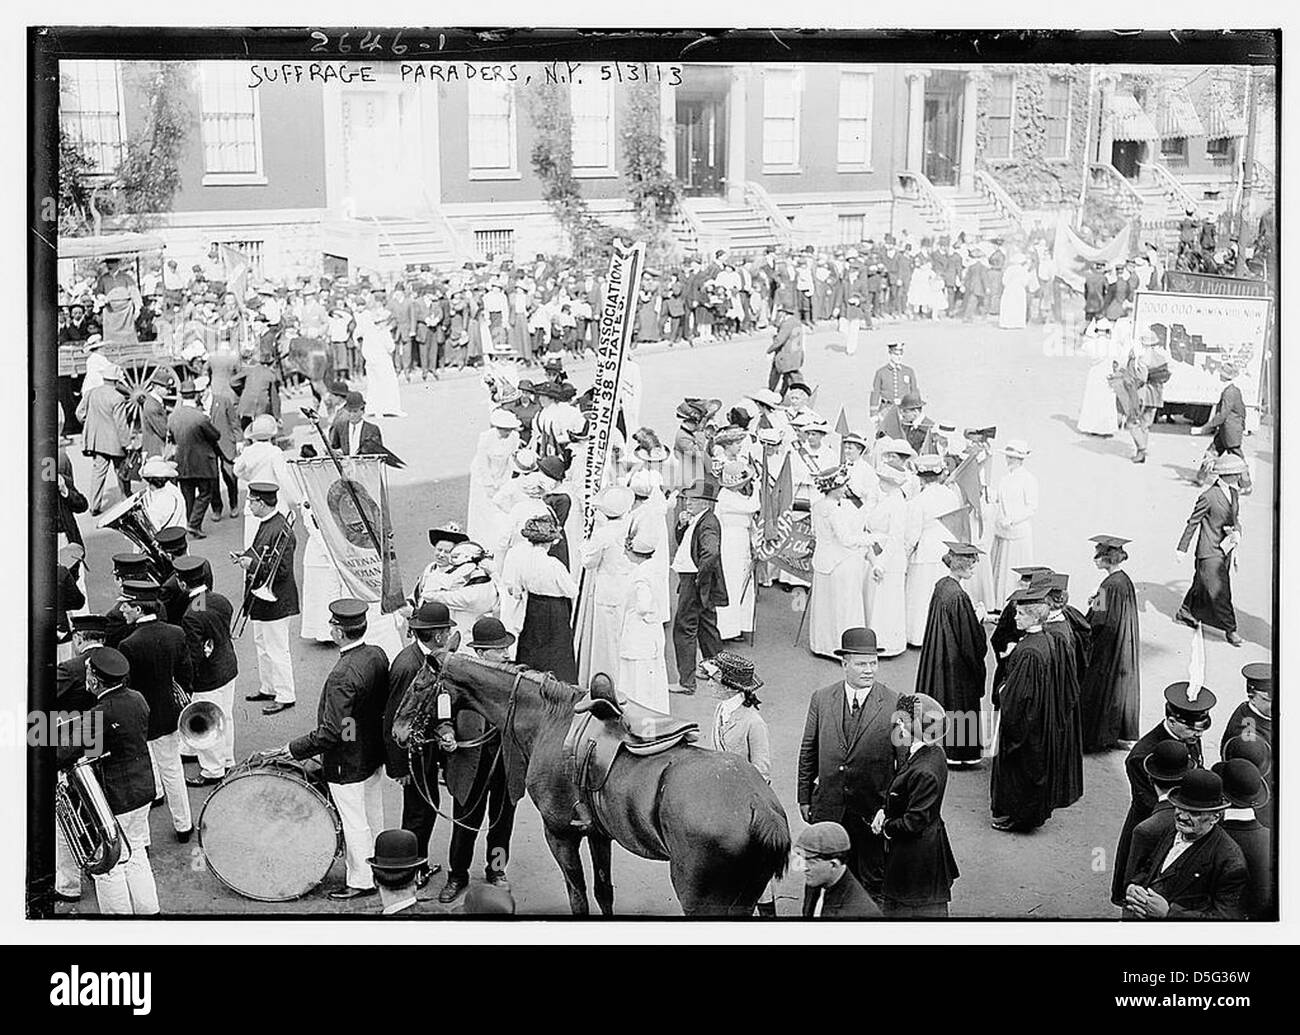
(758, 475)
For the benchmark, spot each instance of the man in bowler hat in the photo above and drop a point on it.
(701, 589)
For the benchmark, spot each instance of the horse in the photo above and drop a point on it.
(708, 814)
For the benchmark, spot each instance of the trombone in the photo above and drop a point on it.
(263, 572)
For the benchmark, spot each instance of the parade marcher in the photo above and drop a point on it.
(263, 461)
(1110, 694)
(738, 503)
(1068, 632)
(1216, 522)
(164, 504)
(377, 348)
(1253, 718)
(206, 624)
(1194, 871)
(436, 575)
(1229, 420)
(353, 435)
(160, 661)
(541, 594)
(737, 725)
(121, 715)
(701, 585)
(105, 436)
(919, 864)
(924, 539)
(1021, 778)
(824, 854)
(488, 473)
(430, 627)
(864, 482)
(839, 565)
(886, 601)
(1247, 792)
(1187, 717)
(604, 559)
(846, 757)
(951, 669)
(270, 618)
(468, 589)
(1015, 502)
(642, 672)
(349, 738)
(786, 350)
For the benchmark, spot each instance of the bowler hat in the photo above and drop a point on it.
(911, 401)
(821, 839)
(432, 614)
(396, 850)
(489, 633)
(702, 490)
(857, 641)
(1243, 785)
(1200, 791)
(1255, 750)
(1168, 762)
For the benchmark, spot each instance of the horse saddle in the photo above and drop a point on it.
(603, 726)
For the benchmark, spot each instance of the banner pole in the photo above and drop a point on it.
(347, 483)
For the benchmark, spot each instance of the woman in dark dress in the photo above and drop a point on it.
(1111, 690)
(919, 864)
(531, 575)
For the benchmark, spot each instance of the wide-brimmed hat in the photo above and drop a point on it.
(765, 397)
(540, 530)
(735, 473)
(829, 480)
(490, 634)
(451, 532)
(1243, 785)
(615, 501)
(1230, 463)
(1200, 791)
(432, 614)
(859, 640)
(1016, 447)
(112, 373)
(504, 419)
(735, 672)
(157, 467)
(263, 428)
(396, 850)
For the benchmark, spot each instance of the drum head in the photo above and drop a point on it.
(267, 834)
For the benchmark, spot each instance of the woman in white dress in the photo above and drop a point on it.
(886, 610)
(839, 565)
(642, 672)
(164, 505)
(737, 504)
(1015, 502)
(604, 590)
(1015, 295)
(382, 396)
(926, 539)
(488, 473)
(1098, 414)
(321, 582)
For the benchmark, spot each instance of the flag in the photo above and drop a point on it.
(966, 478)
(235, 265)
(842, 425)
(1196, 664)
(351, 513)
(958, 523)
(787, 535)
(1073, 256)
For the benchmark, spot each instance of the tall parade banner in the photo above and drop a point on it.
(625, 266)
(351, 512)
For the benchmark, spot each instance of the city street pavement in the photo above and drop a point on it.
(969, 374)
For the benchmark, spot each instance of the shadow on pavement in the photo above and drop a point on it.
(1168, 600)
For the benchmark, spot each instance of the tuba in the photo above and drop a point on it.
(128, 518)
(202, 725)
(85, 819)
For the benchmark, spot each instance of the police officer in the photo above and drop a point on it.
(892, 381)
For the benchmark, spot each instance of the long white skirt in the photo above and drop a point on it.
(738, 616)
(599, 652)
(889, 612)
(1098, 414)
(382, 396)
(645, 681)
(836, 604)
(919, 589)
(321, 586)
(486, 523)
(1005, 555)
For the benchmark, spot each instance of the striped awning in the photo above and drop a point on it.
(1131, 122)
(1178, 117)
(1220, 124)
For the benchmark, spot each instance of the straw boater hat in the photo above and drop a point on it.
(829, 480)
(262, 429)
(1017, 447)
(615, 501)
(505, 420)
(157, 467)
(736, 473)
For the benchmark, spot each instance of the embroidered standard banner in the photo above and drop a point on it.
(615, 333)
(348, 514)
(787, 539)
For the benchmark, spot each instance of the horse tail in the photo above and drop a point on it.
(770, 832)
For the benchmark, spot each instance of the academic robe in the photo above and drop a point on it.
(952, 669)
(1069, 653)
(1110, 692)
(1005, 634)
(1021, 781)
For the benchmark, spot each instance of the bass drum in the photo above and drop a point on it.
(268, 832)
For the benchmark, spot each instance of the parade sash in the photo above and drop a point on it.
(346, 535)
(787, 537)
(615, 333)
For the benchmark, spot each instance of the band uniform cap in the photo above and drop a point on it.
(964, 549)
(127, 562)
(349, 612)
(1196, 703)
(354, 401)
(615, 501)
(1016, 447)
(451, 533)
(1200, 791)
(1229, 463)
(489, 633)
(929, 463)
(432, 614)
(1259, 677)
(1169, 761)
(190, 567)
(157, 467)
(396, 850)
(88, 623)
(552, 467)
(823, 839)
(109, 663)
(171, 537)
(1112, 542)
(262, 428)
(1243, 785)
(504, 419)
(141, 589)
(267, 492)
(857, 640)
(911, 401)
(702, 490)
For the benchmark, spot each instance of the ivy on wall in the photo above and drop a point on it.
(655, 193)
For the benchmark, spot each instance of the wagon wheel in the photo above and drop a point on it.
(136, 378)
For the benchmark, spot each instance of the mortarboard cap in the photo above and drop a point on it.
(1034, 593)
(964, 549)
(1109, 541)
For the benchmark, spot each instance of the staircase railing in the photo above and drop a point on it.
(394, 251)
(460, 251)
(1000, 199)
(1109, 180)
(686, 227)
(758, 200)
(1173, 190)
(917, 187)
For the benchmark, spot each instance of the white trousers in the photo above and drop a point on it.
(169, 778)
(851, 333)
(274, 664)
(128, 888)
(214, 761)
(361, 808)
(67, 874)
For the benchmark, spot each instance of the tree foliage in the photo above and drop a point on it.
(75, 186)
(654, 192)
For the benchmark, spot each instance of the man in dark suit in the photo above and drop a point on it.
(270, 618)
(1193, 871)
(701, 589)
(259, 390)
(153, 416)
(430, 625)
(1229, 421)
(847, 756)
(160, 662)
(1246, 792)
(349, 738)
(786, 350)
(892, 381)
(206, 624)
(118, 723)
(1186, 719)
(1165, 767)
(222, 408)
(824, 854)
(352, 435)
(1216, 522)
(197, 455)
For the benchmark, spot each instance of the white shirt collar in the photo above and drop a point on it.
(1242, 814)
(727, 708)
(861, 694)
(916, 746)
(343, 649)
(146, 618)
